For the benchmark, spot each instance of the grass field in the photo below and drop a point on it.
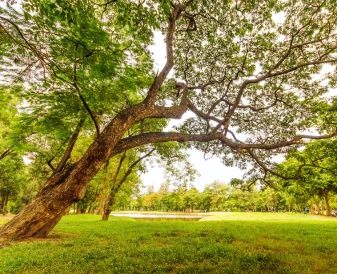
(221, 243)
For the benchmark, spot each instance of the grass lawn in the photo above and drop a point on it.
(221, 243)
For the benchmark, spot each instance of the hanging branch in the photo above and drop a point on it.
(6, 153)
(82, 98)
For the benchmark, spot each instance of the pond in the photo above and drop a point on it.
(144, 216)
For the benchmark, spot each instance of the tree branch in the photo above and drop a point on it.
(6, 153)
(159, 79)
(127, 173)
(70, 147)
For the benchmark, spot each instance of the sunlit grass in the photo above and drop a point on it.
(247, 243)
(264, 216)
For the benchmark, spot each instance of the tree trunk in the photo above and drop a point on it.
(312, 209)
(116, 185)
(108, 204)
(102, 199)
(68, 185)
(104, 193)
(4, 205)
(316, 204)
(326, 199)
(67, 211)
(62, 189)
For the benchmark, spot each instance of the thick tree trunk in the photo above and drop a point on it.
(326, 199)
(67, 186)
(63, 188)
(102, 198)
(317, 205)
(104, 193)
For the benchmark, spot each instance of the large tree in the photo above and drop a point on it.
(245, 71)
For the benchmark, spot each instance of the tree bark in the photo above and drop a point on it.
(67, 211)
(109, 203)
(326, 199)
(67, 186)
(317, 205)
(103, 196)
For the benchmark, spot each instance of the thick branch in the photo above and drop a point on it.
(160, 137)
(158, 81)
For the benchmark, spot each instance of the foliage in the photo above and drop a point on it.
(311, 171)
(252, 83)
(239, 61)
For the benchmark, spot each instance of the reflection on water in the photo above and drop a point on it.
(139, 216)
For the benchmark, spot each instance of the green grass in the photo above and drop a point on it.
(2, 222)
(236, 243)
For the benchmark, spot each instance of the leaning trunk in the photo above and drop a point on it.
(108, 204)
(69, 185)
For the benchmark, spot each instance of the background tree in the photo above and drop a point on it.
(315, 171)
